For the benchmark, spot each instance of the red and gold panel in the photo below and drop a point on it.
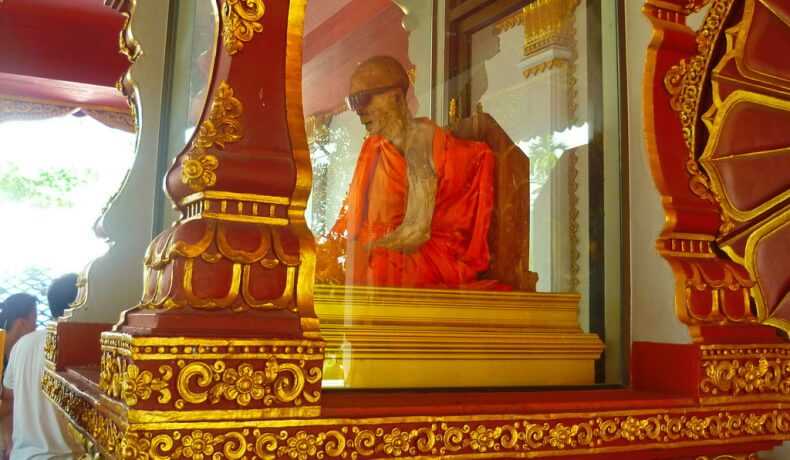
(731, 99)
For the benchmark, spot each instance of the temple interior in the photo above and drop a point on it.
(368, 229)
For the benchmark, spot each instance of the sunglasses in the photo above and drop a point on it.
(360, 100)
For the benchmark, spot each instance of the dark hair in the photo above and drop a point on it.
(61, 294)
(16, 306)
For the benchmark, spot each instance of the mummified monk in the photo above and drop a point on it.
(419, 205)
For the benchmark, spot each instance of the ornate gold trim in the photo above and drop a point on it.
(223, 126)
(684, 84)
(275, 373)
(470, 436)
(557, 63)
(240, 23)
(745, 373)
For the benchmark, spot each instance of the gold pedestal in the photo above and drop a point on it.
(394, 337)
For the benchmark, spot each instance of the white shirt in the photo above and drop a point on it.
(39, 427)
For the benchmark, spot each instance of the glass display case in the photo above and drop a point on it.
(463, 156)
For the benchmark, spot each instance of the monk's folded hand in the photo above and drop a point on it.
(407, 239)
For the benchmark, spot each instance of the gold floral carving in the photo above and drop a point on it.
(223, 126)
(684, 83)
(139, 385)
(277, 382)
(126, 381)
(448, 437)
(746, 373)
(434, 437)
(240, 22)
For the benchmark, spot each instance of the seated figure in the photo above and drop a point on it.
(420, 203)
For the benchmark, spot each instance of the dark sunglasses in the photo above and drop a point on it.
(360, 100)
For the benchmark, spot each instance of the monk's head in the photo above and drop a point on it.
(378, 95)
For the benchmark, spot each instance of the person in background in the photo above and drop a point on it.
(39, 429)
(17, 318)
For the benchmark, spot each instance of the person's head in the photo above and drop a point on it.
(18, 317)
(61, 294)
(377, 93)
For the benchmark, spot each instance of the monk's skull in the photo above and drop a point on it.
(384, 115)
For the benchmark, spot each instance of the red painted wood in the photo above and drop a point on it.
(68, 40)
(666, 368)
(78, 343)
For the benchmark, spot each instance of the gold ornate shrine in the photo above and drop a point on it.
(225, 356)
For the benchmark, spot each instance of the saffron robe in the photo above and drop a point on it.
(457, 250)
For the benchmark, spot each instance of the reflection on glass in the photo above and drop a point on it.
(194, 60)
(452, 165)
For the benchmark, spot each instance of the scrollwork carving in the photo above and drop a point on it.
(684, 83)
(276, 383)
(240, 23)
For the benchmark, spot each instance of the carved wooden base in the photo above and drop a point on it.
(621, 425)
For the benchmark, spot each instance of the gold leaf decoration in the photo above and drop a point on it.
(240, 23)
(222, 126)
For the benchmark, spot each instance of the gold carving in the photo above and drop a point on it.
(514, 20)
(139, 385)
(127, 44)
(50, 343)
(483, 436)
(276, 382)
(122, 380)
(276, 373)
(204, 205)
(436, 437)
(684, 83)
(223, 126)
(745, 373)
(730, 280)
(198, 171)
(546, 23)
(544, 66)
(240, 22)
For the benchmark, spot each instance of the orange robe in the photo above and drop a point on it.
(457, 250)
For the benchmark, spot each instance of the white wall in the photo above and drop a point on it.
(115, 279)
(652, 302)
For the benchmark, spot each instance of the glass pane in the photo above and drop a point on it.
(463, 155)
(194, 53)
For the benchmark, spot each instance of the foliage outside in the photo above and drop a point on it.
(43, 188)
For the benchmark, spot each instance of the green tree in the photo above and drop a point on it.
(543, 152)
(43, 188)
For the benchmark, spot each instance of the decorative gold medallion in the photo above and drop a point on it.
(239, 22)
